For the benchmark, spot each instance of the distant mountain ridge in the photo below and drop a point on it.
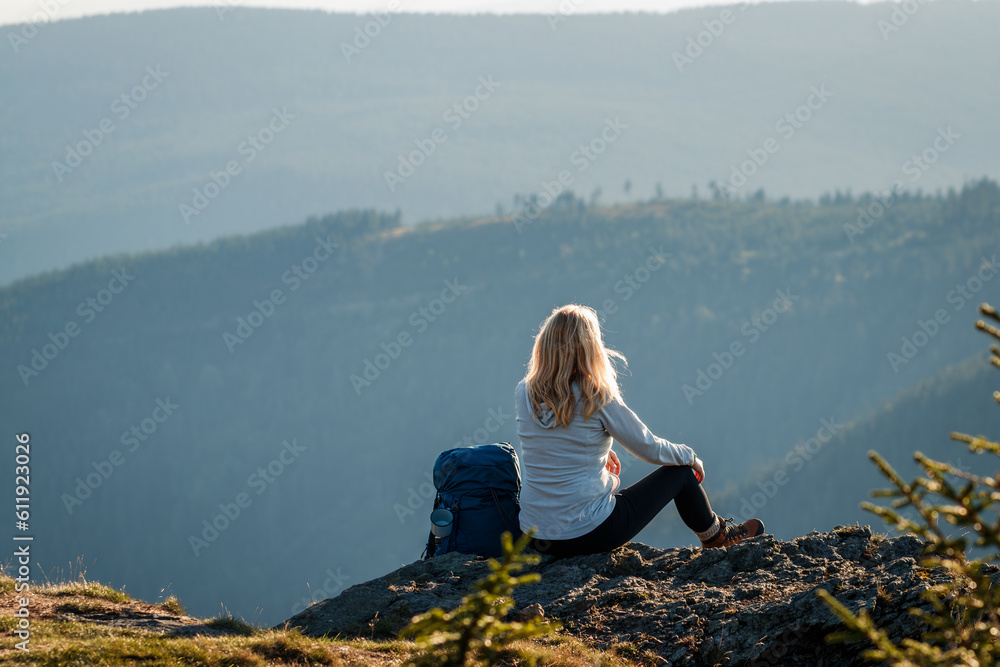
(833, 475)
(114, 130)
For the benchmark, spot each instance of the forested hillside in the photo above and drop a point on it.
(267, 408)
(820, 480)
(140, 131)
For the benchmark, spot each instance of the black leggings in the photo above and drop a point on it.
(635, 507)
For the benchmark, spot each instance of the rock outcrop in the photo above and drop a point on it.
(754, 603)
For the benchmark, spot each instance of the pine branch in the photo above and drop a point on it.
(964, 614)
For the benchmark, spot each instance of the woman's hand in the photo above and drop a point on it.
(699, 469)
(614, 466)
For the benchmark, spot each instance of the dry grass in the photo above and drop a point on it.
(83, 623)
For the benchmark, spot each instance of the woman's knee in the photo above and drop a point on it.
(678, 476)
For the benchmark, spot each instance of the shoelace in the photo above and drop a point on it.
(738, 529)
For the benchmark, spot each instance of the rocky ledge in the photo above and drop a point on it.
(752, 604)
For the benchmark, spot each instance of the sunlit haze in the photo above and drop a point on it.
(20, 11)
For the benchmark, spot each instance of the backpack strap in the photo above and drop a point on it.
(506, 517)
(430, 548)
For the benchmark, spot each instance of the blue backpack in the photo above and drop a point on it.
(480, 486)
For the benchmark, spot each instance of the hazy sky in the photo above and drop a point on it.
(20, 11)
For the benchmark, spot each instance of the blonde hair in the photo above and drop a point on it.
(568, 349)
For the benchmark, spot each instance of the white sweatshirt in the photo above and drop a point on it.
(566, 491)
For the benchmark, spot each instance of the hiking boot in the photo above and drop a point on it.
(731, 533)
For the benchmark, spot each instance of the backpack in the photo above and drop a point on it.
(480, 485)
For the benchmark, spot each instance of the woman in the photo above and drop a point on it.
(569, 408)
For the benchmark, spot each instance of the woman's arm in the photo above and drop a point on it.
(629, 431)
